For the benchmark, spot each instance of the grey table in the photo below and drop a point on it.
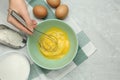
(100, 20)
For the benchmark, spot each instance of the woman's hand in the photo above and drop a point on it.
(20, 7)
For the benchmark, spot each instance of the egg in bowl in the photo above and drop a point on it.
(46, 46)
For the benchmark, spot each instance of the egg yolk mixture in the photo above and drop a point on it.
(56, 45)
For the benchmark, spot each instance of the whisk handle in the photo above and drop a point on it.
(19, 19)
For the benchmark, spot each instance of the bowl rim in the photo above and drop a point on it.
(60, 67)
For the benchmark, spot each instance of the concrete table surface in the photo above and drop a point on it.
(100, 20)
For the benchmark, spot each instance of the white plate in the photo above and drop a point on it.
(14, 66)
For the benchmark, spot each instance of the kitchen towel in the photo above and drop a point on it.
(86, 47)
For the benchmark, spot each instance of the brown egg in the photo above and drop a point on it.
(62, 11)
(40, 11)
(54, 3)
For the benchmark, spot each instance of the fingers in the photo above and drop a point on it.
(34, 23)
(26, 17)
(30, 23)
(18, 25)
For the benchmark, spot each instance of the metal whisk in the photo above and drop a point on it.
(42, 43)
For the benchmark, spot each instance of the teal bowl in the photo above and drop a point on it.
(39, 58)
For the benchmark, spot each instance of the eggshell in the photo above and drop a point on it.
(40, 11)
(54, 3)
(14, 66)
(62, 11)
